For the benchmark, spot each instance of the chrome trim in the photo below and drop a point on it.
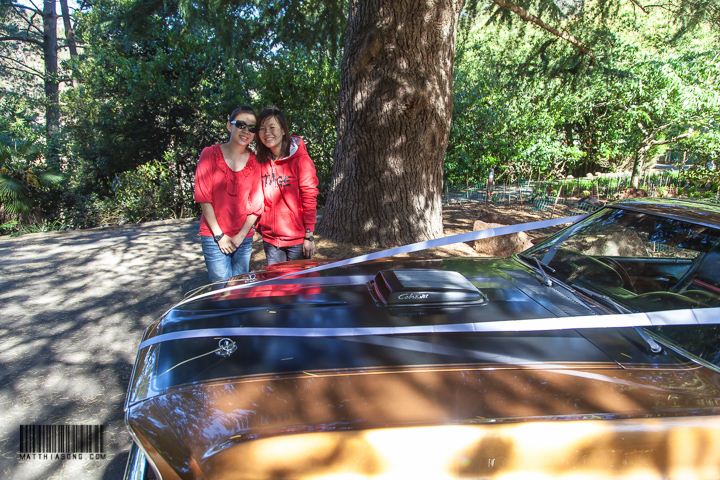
(136, 464)
(680, 350)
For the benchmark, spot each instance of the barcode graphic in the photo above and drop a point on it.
(62, 439)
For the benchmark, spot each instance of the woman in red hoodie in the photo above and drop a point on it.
(289, 185)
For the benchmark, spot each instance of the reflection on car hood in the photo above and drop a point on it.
(196, 411)
(341, 299)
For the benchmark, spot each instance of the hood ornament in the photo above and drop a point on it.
(226, 347)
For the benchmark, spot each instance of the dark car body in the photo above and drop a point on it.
(383, 369)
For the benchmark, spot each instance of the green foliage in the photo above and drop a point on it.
(269, 25)
(14, 229)
(23, 180)
(156, 88)
(85, 211)
(20, 117)
(156, 80)
(528, 105)
(304, 85)
(511, 127)
(160, 93)
(149, 192)
(153, 92)
(21, 95)
(702, 177)
(146, 193)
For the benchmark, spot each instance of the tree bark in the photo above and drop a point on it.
(636, 170)
(645, 147)
(69, 31)
(52, 109)
(395, 109)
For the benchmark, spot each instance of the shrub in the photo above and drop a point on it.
(149, 192)
(14, 229)
(146, 193)
(86, 211)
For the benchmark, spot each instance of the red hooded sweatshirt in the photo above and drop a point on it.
(290, 189)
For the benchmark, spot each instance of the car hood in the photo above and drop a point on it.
(341, 299)
(194, 410)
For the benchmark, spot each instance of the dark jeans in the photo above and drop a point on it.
(282, 254)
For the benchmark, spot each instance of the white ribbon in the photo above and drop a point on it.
(705, 316)
(413, 247)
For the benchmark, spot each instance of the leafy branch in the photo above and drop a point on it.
(528, 17)
(25, 68)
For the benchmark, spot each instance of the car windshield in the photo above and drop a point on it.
(638, 261)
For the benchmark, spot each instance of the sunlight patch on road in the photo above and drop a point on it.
(22, 350)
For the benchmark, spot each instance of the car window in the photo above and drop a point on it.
(622, 233)
(643, 262)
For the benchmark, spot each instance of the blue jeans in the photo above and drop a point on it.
(221, 266)
(282, 254)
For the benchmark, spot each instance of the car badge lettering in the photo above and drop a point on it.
(413, 296)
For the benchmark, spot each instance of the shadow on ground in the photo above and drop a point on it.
(74, 307)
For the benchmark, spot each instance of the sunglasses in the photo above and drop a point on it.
(242, 126)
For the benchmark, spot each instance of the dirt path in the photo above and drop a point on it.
(457, 219)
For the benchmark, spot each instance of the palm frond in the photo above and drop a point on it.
(10, 188)
(51, 177)
(18, 206)
(6, 154)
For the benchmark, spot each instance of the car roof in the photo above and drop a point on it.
(694, 211)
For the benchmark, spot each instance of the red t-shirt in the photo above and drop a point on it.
(233, 195)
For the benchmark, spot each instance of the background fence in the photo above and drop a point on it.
(572, 195)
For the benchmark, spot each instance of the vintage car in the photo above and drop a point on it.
(594, 354)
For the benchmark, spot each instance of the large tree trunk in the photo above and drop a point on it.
(52, 109)
(395, 109)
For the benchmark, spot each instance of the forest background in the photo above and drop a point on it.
(110, 133)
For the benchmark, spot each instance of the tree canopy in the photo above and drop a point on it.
(538, 88)
(543, 107)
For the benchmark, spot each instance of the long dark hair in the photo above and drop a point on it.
(264, 153)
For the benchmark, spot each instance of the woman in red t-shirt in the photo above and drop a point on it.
(227, 186)
(289, 185)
